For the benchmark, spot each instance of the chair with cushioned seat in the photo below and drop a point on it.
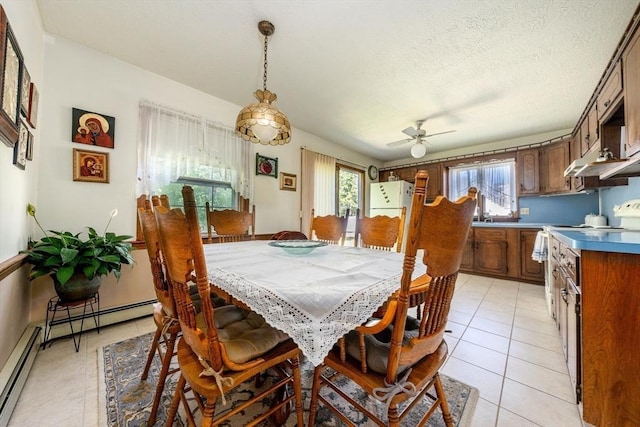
(394, 356)
(222, 348)
(380, 232)
(329, 228)
(231, 225)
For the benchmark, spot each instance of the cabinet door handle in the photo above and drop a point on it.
(607, 103)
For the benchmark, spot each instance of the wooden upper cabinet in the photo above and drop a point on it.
(554, 160)
(609, 96)
(631, 73)
(406, 174)
(528, 171)
(589, 130)
(434, 186)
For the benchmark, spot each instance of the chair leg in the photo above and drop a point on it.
(208, 413)
(152, 353)
(166, 363)
(297, 388)
(173, 410)
(394, 417)
(313, 407)
(444, 405)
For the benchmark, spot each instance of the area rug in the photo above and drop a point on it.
(126, 401)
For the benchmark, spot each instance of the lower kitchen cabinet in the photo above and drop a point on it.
(503, 252)
(529, 269)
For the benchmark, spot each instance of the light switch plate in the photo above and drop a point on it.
(524, 211)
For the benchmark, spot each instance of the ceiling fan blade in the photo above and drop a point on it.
(410, 131)
(439, 133)
(398, 143)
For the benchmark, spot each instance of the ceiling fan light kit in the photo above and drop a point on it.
(418, 150)
(262, 122)
(418, 136)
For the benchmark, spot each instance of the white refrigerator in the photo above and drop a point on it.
(388, 198)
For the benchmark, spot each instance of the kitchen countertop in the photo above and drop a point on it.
(602, 240)
(508, 224)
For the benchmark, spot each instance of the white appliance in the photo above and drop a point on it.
(388, 198)
(629, 213)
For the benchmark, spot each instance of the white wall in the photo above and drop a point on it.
(18, 187)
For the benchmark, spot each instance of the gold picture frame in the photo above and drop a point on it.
(288, 181)
(90, 166)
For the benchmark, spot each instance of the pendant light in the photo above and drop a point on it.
(262, 122)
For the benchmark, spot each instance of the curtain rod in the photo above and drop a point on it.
(337, 158)
(481, 153)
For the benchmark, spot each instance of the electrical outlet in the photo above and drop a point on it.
(524, 211)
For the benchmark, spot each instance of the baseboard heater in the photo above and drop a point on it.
(15, 372)
(60, 327)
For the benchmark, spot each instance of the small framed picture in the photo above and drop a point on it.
(266, 166)
(287, 181)
(10, 66)
(20, 149)
(90, 166)
(92, 128)
(30, 147)
(25, 86)
(32, 118)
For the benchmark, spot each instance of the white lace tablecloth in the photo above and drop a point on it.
(314, 298)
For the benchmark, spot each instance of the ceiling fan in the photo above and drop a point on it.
(418, 135)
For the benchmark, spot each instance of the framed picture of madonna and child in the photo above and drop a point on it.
(92, 128)
(90, 166)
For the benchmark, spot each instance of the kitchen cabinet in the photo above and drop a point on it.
(528, 171)
(565, 276)
(529, 269)
(555, 158)
(498, 252)
(631, 74)
(610, 94)
(589, 130)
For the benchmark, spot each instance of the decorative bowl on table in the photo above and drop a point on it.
(297, 247)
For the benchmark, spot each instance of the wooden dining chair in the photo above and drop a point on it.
(223, 348)
(329, 228)
(164, 312)
(380, 232)
(231, 225)
(396, 358)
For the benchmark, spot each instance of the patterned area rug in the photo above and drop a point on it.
(128, 400)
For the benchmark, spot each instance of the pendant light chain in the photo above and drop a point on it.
(264, 78)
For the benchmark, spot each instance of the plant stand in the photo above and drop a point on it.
(56, 305)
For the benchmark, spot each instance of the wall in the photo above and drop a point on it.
(18, 187)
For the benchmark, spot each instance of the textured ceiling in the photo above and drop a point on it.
(357, 72)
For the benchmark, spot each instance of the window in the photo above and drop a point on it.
(176, 148)
(495, 182)
(350, 194)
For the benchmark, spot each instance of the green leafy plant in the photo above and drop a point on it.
(63, 254)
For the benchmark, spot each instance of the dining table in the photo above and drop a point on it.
(315, 298)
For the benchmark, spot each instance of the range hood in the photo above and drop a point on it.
(581, 165)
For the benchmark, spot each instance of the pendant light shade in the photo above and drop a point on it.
(418, 150)
(262, 122)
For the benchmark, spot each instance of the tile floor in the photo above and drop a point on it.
(503, 342)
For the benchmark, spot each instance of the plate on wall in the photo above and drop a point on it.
(297, 247)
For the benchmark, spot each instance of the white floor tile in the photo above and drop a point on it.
(486, 339)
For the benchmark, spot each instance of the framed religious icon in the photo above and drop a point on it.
(90, 166)
(20, 149)
(25, 85)
(32, 118)
(10, 63)
(266, 166)
(287, 181)
(92, 128)
(30, 147)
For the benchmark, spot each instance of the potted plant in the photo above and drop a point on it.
(77, 265)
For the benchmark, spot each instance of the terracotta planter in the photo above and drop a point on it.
(77, 288)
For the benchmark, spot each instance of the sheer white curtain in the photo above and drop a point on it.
(173, 144)
(318, 186)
